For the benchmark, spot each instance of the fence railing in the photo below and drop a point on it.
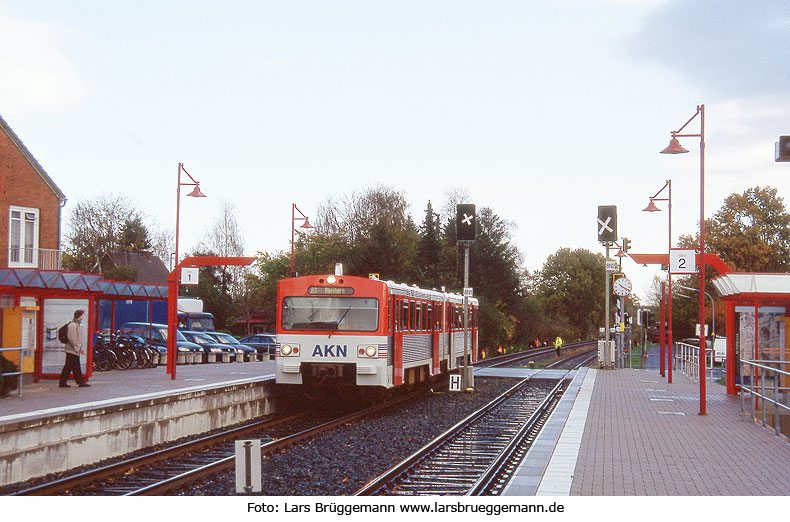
(19, 373)
(765, 381)
(42, 258)
(686, 360)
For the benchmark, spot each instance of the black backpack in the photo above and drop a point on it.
(63, 333)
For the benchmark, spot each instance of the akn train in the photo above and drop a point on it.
(347, 331)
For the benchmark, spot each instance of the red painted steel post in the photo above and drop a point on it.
(730, 361)
(172, 320)
(661, 338)
(669, 278)
(702, 343)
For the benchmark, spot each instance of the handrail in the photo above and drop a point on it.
(19, 373)
(686, 360)
(758, 391)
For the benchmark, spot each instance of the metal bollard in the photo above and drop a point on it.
(248, 466)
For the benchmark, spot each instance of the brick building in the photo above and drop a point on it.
(30, 207)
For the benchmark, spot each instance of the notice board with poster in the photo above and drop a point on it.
(58, 312)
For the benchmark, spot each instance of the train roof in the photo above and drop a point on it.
(421, 293)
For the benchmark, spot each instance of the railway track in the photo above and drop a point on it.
(165, 471)
(468, 458)
(528, 355)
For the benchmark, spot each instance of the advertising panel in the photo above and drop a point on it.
(58, 312)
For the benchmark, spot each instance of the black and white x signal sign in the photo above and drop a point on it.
(465, 222)
(607, 223)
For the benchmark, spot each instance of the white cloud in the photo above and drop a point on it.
(34, 71)
(729, 47)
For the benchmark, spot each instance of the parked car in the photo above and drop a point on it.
(264, 343)
(209, 346)
(156, 335)
(224, 338)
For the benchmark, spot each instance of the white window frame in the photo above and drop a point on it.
(22, 263)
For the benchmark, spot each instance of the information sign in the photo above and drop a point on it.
(682, 261)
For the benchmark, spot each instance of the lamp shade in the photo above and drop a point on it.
(196, 193)
(674, 147)
(620, 253)
(651, 207)
(306, 224)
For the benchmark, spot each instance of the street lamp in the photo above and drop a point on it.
(305, 225)
(196, 193)
(173, 279)
(651, 207)
(675, 148)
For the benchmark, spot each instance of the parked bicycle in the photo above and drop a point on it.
(124, 351)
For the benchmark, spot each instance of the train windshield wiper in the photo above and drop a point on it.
(337, 324)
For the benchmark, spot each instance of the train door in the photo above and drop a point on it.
(434, 311)
(448, 329)
(397, 344)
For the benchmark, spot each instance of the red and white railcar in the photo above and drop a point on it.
(357, 332)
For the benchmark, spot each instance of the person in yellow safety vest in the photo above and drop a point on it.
(558, 344)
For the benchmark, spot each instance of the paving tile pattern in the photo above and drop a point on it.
(633, 445)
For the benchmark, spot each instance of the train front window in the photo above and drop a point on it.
(345, 314)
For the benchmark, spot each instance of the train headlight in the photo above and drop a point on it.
(331, 279)
(291, 350)
(367, 350)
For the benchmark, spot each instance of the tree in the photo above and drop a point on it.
(429, 250)
(570, 285)
(100, 226)
(377, 229)
(209, 289)
(751, 231)
(224, 238)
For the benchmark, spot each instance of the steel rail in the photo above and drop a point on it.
(494, 470)
(127, 466)
(504, 360)
(171, 484)
(431, 449)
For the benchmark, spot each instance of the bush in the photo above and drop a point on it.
(11, 382)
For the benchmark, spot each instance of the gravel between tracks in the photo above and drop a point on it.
(343, 460)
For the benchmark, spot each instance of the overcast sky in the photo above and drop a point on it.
(542, 110)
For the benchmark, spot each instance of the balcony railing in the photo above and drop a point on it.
(41, 258)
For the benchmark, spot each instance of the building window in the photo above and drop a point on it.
(23, 237)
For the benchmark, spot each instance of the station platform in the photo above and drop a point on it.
(114, 387)
(49, 429)
(629, 432)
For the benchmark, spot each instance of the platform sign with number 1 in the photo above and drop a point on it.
(189, 276)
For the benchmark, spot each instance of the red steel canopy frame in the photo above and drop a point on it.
(59, 284)
(711, 260)
(172, 297)
(753, 290)
(663, 259)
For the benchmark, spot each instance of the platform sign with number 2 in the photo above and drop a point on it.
(683, 261)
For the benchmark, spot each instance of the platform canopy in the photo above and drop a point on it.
(734, 286)
(27, 279)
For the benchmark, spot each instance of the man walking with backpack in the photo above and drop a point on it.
(73, 349)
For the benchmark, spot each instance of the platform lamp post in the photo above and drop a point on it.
(651, 207)
(305, 225)
(172, 296)
(674, 147)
